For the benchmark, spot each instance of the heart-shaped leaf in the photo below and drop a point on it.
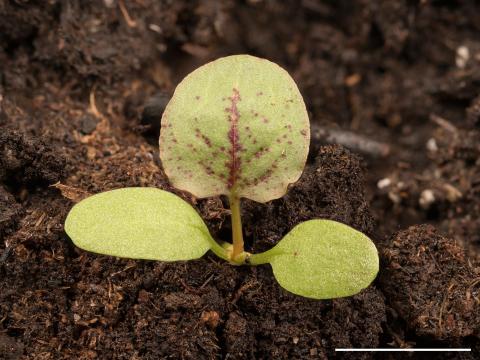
(323, 259)
(139, 223)
(235, 126)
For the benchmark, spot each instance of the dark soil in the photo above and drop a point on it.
(419, 266)
(397, 82)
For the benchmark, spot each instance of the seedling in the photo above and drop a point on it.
(236, 127)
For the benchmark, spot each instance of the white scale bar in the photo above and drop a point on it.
(404, 350)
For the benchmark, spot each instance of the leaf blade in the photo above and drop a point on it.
(138, 223)
(235, 125)
(324, 259)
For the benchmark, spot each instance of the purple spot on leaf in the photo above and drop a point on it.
(209, 170)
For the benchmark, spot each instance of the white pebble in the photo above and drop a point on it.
(109, 3)
(462, 57)
(432, 145)
(155, 28)
(383, 183)
(427, 198)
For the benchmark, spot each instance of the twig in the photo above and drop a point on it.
(444, 123)
(443, 306)
(240, 291)
(125, 269)
(130, 22)
(70, 192)
(350, 140)
(102, 125)
(470, 288)
(196, 50)
(207, 281)
(93, 105)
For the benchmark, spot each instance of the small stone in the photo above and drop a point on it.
(453, 194)
(88, 124)
(210, 318)
(462, 56)
(143, 296)
(155, 28)
(394, 197)
(427, 198)
(153, 111)
(383, 183)
(432, 145)
(109, 3)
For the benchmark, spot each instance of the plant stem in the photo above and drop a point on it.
(237, 236)
(220, 251)
(261, 258)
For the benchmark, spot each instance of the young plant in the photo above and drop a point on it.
(237, 127)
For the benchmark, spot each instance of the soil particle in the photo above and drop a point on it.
(152, 113)
(473, 112)
(9, 348)
(445, 191)
(20, 21)
(237, 337)
(431, 284)
(286, 326)
(28, 160)
(88, 124)
(10, 213)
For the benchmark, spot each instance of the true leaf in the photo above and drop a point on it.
(323, 259)
(237, 125)
(139, 223)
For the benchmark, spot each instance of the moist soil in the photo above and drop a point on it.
(393, 92)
